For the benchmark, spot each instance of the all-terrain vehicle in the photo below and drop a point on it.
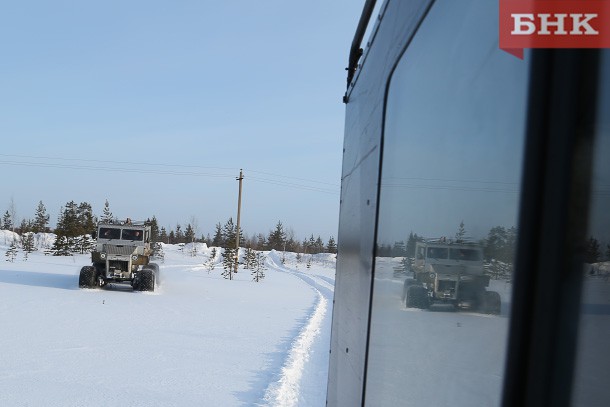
(449, 273)
(122, 255)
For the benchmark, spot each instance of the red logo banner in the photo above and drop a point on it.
(553, 24)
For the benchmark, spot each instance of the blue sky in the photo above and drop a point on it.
(156, 105)
(454, 135)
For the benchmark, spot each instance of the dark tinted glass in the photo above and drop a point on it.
(132, 234)
(453, 141)
(109, 233)
(591, 385)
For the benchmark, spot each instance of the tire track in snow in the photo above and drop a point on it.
(285, 392)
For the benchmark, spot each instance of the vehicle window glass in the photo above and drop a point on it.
(592, 356)
(437, 253)
(109, 233)
(465, 254)
(451, 168)
(132, 234)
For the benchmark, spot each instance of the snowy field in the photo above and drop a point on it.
(199, 339)
(202, 340)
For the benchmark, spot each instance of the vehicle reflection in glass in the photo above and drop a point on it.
(449, 192)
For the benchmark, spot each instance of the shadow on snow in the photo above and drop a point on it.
(37, 279)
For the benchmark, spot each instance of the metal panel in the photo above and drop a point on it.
(119, 249)
(359, 192)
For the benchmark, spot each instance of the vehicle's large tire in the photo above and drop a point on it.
(417, 297)
(155, 268)
(87, 277)
(408, 283)
(145, 280)
(490, 303)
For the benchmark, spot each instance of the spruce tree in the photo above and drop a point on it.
(292, 245)
(75, 226)
(461, 233)
(163, 235)
(41, 220)
(305, 246)
(189, 234)
(28, 244)
(107, 216)
(250, 258)
(319, 245)
(228, 262)
(411, 242)
(258, 272)
(63, 246)
(11, 253)
(311, 244)
(331, 246)
(218, 240)
(277, 238)
(158, 252)
(154, 229)
(228, 233)
(25, 226)
(495, 243)
(67, 222)
(179, 234)
(211, 262)
(86, 220)
(83, 244)
(7, 221)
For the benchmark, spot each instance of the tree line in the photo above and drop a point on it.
(499, 245)
(76, 228)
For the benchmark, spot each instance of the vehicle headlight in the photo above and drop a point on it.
(134, 257)
(432, 275)
(103, 255)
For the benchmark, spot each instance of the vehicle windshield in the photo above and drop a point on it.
(465, 254)
(132, 234)
(109, 233)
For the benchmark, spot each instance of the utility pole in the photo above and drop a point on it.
(240, 179)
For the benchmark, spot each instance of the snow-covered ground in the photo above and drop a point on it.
(202, 340)
(199, 339)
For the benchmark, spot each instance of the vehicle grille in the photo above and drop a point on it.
(114, 249)
(446, 285)
(116, 266)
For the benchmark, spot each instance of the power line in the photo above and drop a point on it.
(297, 178)
(116, 162)
(113, 169)
(110, 166)
(293, 185)
(167, 165)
